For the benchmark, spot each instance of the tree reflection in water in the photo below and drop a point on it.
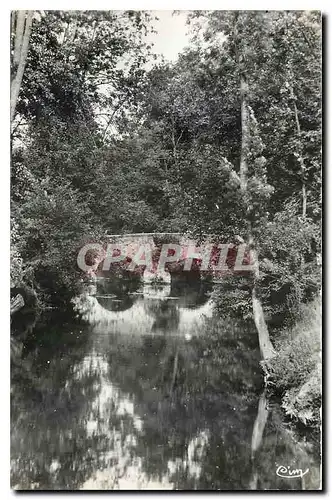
(154, 396)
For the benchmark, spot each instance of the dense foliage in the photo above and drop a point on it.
(60, 153)
(296, 370)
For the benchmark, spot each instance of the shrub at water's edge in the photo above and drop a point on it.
(296, 369)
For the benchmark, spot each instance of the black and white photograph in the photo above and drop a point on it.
(165, 250)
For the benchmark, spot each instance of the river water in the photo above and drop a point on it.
(148, 389)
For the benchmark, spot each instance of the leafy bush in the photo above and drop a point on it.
(53, 224)
(304, 402)
(233, 297)
(290, 275)
(296, 369)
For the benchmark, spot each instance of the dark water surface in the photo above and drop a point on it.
(148, 390)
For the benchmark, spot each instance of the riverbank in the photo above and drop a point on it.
(295, 372)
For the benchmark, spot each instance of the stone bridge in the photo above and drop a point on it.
(166, 256)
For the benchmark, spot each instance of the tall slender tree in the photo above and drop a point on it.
(21, 30)
(247, 143)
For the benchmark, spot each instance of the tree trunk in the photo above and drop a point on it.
(301, 160)
(244, 135)
(265, 345)
(21, 45)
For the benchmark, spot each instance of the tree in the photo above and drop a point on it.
(60, 159)
(251, 54)
(21, 30)
(241, 31)
(247, 161)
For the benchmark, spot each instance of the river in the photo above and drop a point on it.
(147, 389)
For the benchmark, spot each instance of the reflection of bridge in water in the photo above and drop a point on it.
(147, 309)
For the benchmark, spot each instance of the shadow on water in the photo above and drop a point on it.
(149, 390)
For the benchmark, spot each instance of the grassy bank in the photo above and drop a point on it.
(296, 369)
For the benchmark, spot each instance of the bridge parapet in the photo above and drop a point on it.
(150, 238)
